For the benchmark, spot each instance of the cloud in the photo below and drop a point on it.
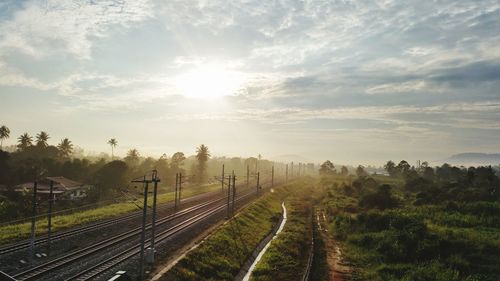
(12, 78)
(413, 67)
(394, 88)
(41, 28)
(477, 115)
(476, 72)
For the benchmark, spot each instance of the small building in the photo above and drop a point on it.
(64, 189)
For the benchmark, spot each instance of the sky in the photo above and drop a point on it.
(350, 81)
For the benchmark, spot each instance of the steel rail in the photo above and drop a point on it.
(79, 254)
(86, 228)
(129, 253)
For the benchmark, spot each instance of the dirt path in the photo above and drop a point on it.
(337, 269)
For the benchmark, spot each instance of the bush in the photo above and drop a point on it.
(382, 199)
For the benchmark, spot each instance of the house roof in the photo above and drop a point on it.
(61, 184)
(64, 183)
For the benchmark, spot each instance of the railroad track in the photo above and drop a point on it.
(15, 247)
(109, 263)
(43, 269)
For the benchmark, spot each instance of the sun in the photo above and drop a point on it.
(208, 81)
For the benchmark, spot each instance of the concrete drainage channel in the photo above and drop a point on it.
(249, 266)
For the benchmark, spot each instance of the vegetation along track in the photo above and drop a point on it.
(38, 271)
(25, 244)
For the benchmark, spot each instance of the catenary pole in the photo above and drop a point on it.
(49, 218)
(33, 221)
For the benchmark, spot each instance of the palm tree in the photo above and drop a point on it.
(259, 157)
(65, 147)
(132, 155)
(25, 141)
(113, 143)
(202, 154)
(4, 134)
(42, 138)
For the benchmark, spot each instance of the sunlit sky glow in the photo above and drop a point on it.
(208, 81)
(350, 81)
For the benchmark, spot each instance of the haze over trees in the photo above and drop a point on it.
(327, 168)
(132, 156)
(177, 162)
(110, 177)
(360, 171)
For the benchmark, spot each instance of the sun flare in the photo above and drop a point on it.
(208, 81)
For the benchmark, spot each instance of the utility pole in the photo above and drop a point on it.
(222, 185)
(33, 221)
(176, 189)
(155, 180)
(228, 196)
(286, 174)
(258, 182)
(180, 188)
(248, 175)
(49, 218)
(272, 176)
(234, 192)
(143, 232)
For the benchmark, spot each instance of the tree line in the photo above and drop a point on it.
(429, 185)
(35, 158)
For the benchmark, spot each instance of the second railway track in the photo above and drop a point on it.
(25, 244)
(207, 209)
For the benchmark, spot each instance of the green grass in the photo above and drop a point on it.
(10, 233)
(222, 254)
(287, 257)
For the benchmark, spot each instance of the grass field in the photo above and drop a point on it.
(444, 241)
(10, 233)
(288, 254)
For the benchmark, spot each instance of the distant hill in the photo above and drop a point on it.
(474, 159)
